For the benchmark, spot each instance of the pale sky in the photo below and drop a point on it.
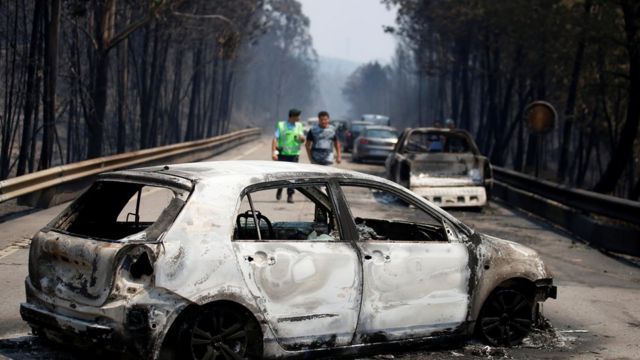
(351, 29)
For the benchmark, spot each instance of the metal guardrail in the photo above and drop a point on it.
(59, 175)
(582, 200)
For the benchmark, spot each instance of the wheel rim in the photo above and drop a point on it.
(219, 334)
(507, 318)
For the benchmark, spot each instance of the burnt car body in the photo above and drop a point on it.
(442, 165)
(223, 271)
(352, 133)
(374, 143)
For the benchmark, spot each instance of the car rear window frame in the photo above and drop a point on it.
(182, 193)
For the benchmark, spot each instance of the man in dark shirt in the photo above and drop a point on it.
(321, 140)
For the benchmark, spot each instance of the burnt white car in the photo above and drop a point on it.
(442, 165)
(200, 261)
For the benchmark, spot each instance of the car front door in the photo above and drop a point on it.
(304, 274)
(415, 278)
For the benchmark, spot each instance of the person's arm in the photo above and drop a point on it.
(336, 144)
(308, 143)
(300, 131)
(307, 146)
(274, 149)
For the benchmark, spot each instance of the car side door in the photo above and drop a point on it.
(415, 278)
(301, 269)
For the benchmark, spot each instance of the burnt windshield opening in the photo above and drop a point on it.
(114, 210)
(439, 142)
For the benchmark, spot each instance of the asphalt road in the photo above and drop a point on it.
(596, 315)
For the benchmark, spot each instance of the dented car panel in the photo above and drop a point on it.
(442, 165)
(105, 274)
(309, 292)
(412, 290)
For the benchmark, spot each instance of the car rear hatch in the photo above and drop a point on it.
(76, 256)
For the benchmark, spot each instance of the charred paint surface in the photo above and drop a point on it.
(304, 295)
(304, 278)
(413, 288)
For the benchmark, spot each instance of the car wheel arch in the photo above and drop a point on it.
(525, 285)
(181, 322)
(517, 296)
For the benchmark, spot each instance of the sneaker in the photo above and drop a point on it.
(290, 199)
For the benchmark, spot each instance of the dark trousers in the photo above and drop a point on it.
(288, 158)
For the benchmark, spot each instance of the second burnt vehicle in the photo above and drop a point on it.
(442, 165)
(196, 261)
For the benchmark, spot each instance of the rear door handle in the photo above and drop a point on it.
(260, 259)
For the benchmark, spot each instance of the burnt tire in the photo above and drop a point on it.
(506, 318)
(221, 332)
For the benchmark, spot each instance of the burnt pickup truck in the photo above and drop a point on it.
(442, 165)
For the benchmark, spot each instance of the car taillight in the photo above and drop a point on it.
(135, 271)
(363, 141)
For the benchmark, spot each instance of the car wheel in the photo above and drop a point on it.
(223, 332)
(506, 318)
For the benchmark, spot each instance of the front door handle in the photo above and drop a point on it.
(377, 255)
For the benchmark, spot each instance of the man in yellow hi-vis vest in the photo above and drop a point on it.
(286, 143)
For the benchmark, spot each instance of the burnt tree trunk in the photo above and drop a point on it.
(32, 87)
(623, 152)
(49, 95)
(569, 112)
(195, 93)
(123, 98)
(464, 121)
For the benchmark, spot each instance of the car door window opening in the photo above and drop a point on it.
(311, 218)
(382, 215)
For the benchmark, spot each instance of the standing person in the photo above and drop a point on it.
(286, 143)
(321, 140)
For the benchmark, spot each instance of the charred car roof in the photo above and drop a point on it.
(243, 172)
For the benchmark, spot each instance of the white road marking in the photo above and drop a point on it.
(18, 245)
